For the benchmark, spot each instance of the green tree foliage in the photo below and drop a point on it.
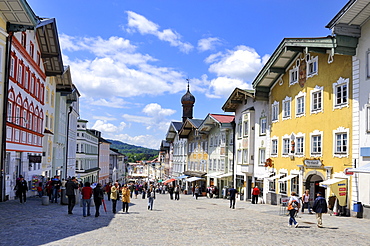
(134, 153)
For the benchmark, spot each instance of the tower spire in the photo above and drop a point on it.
(187, 102)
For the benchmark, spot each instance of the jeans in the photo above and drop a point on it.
(150, 203)
(177, 196)
(292, 217)
(71, 203)
(55, 195)
(232, 202)
(86, 203)
(114, 205)
(125, 206)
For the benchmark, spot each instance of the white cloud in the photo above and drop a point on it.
(141, 24)
(208, 43)
(111, 102)
(223, 86)
(105, 127)
(141, 140)
(155, 110)
(241, 63)
(103, 118)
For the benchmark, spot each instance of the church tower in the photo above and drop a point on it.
(187, 102)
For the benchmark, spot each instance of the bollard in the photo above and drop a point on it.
(45, 200)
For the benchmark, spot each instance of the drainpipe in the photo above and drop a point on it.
(5, 115)
(67, 141)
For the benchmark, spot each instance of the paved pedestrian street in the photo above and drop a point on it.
(184, 222)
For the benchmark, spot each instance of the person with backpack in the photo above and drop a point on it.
(293, 208)
(320, 207)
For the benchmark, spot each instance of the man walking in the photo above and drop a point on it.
(56, 183)
(22, 189)
(255, 194)
(114, 196)
(320, 207)
(233, 195)
(177, 192)
(71, 187)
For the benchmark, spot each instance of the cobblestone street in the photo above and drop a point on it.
(184, 222)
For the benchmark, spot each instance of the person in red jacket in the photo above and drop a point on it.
(255, 193)
(86, 193)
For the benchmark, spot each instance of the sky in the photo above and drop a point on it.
(130, 59)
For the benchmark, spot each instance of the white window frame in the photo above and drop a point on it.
(12, 63)
(261, 156)
(240, 128)
(312, 135)
(245, 128)
(293, 74)
(240, 156)
(263, 125)
(274, 146)
(245, 156)
(285, 147)
(275, 112)
(340, 85)
(337, 132)
(314, 61)
(301, 96)
(316, 90)
(299, 144)
(287, 106)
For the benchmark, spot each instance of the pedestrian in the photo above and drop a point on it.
(193, 190)
(39, 189)
(125, 198)
(107, 189)
(143, 193)
(49, 188)
(151, 197)
(320, 207)
(306, 201)
(177, 191)
(293, 208)
(71, 187)
(86, 192)
(255, 193)
(196, 192)
(136, 190)
(56, 183)
(98, 198)
(233, 193)
(114, 195)
(21, 189)
(132, 187)
(170, 191)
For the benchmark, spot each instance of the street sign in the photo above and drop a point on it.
(346, 172)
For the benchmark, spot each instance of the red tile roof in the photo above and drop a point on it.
(222, 118)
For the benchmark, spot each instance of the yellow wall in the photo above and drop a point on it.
(326, 121)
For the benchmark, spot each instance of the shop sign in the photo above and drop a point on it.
(312, 163)
(346, 172)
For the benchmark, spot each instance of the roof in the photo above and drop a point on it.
(236, 99)
(19, 15)
(173, 129)
(288, 50)
(223, 118)
(188, 126)
(211, 119)
(355, 12)
(47, 37)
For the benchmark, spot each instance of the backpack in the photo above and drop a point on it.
(295, 204)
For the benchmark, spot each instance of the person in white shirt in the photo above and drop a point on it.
(293, 207)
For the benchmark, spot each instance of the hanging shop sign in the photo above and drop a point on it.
(313, 163)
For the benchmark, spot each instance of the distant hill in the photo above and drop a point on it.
(134, 153)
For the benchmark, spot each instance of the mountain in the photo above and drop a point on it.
(134, 153)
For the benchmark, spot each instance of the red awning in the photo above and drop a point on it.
(168, 181)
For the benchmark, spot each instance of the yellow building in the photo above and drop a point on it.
(308, 82)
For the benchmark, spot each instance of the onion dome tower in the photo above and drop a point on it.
(187, 102)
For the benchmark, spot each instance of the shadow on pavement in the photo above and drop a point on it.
(36, 224)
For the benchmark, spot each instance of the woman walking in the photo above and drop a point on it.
(293, 208)
(151, 197)
(125, 198)
(98, 198)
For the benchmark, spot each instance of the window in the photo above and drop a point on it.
(294, 184)
(10, 112)
(17, 115)
(38, 59)
(262, 157)
(312, 65)
(211, 142)
(231, 139)
(286, 146)
(20, 73)
(31, 51)
(272, 184)
(341, 143)
(263, 125)
(315, 144)
(275, 111)
(12, 63)
(283, 185)
(32, 86)
(299, 146)
(286, 108)
(239, 156)
(316, 99)
(246, 128)
(340, 90)
(26, 80)
(274, 147)
(300, 104)
(293, 76)
(24, 118)
(245, 156)
(23, 39)
(240, 127)
(47, 121)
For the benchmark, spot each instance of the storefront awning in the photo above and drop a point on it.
(182, 177)
(287, 178)
(275, 177)
(362, 169)
(138, 175)
(168, 181)
(214, 174)
(225, 175)
(331, 181)
(192, 179)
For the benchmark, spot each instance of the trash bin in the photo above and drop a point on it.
(357, 207)
(45, 200)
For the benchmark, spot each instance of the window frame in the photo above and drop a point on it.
(287, 106)
(313, 135)
(275, 112)
(317, 90)
(274, 147)
(312, 62)
(337, 132)
(344, 102)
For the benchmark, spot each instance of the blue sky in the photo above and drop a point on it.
(130, 58)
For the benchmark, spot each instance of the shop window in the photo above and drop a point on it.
(294, 184)
(283, 185)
